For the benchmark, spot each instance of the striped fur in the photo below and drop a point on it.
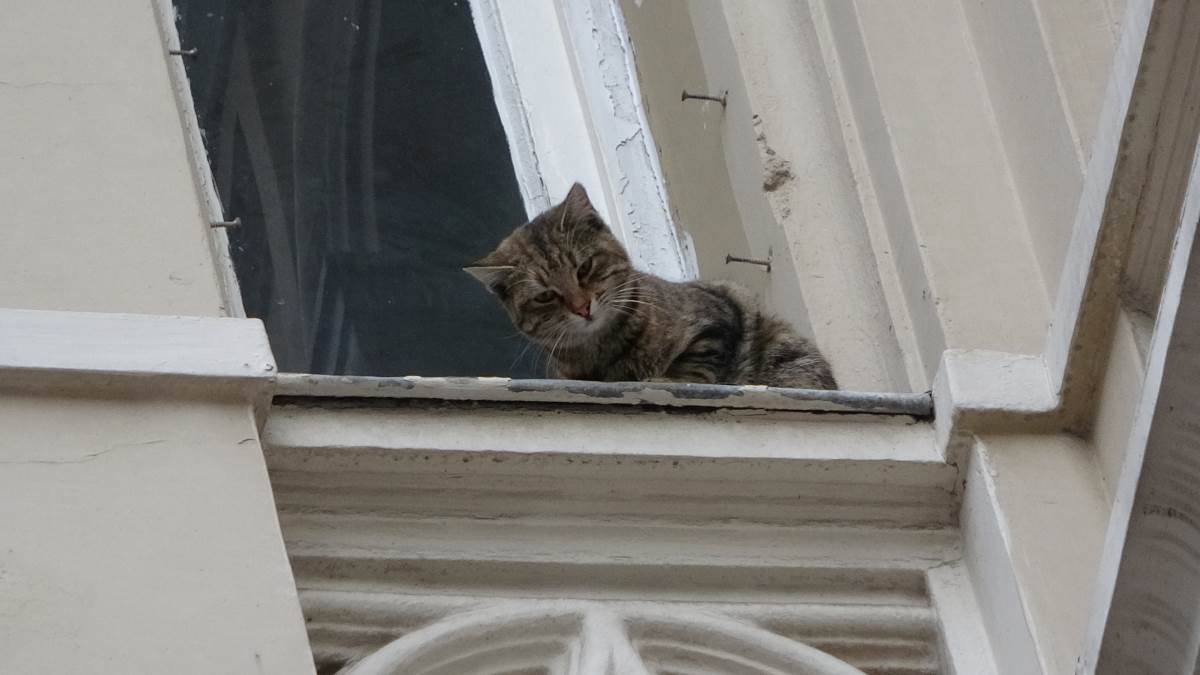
(568, 285)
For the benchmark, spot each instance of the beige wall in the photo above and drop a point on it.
(935, 170)
(99, 208)
(708, 154)
(140, 536)
(1117, 400)
(136, 535)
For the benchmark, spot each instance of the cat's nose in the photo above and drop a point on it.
(584, 309)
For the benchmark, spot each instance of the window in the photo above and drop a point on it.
(359, 144)
(371, 149)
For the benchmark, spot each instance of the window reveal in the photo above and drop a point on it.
(360, 145)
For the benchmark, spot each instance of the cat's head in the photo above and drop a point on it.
(562, 276)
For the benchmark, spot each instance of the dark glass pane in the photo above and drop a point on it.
(359, 143)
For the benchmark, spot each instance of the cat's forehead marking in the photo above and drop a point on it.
(539, 238)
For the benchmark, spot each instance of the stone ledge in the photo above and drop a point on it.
(89, 353)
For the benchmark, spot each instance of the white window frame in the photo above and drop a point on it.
(566, 88)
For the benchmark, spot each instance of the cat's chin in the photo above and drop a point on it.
(580, 336)
(586, 330)
(580, 333)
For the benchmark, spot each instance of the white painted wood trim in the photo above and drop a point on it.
(506, 88)
(567, 91)
(206, 190)
(526, 53)
(608, 82)
(58, 351)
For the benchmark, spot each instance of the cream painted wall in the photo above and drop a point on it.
(1035, 571)
(136, 535)
(708, 154)
(848, 272)
(140, 536)
(1045, 65)
(933, 172)
(100, 211)
(1116, 401)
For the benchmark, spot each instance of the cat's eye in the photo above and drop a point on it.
(545, 296)
(584, 269)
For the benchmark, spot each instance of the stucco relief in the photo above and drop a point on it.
(588, 638)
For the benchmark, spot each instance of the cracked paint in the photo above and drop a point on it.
(86, 457)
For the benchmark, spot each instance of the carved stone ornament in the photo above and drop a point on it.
(590, 638)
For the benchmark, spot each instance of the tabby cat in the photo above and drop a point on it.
(568, 285)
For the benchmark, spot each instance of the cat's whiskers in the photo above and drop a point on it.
(521, 354)
(628, 288)
(647, 312)
(621, 289)
(638, 296)
(619, 294)
(554, 348)
(628, 282)
(627, 302)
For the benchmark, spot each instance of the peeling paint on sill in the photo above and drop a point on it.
(660, 394)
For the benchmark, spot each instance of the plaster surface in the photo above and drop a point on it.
(140, 536)
(101, 212)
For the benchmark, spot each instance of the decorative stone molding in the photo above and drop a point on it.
(829, 530)
(589, 638)
(780, 467)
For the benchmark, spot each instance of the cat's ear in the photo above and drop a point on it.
(490, 270)
(492, 277)
(577, 207)
(577, 200)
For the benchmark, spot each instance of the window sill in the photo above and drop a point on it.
(798, 455)
(621, 395)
